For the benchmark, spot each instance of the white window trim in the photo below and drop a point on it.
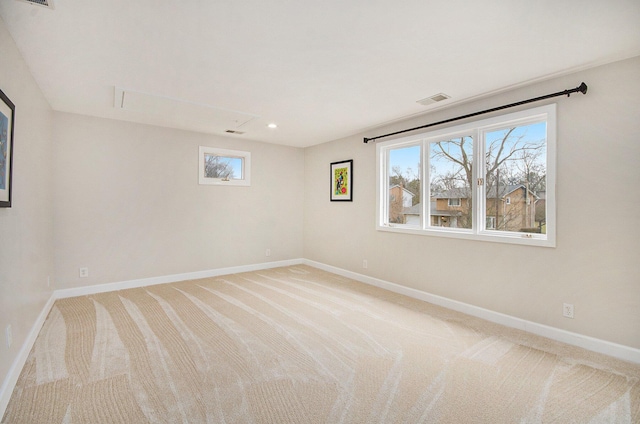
(451, 204)
(475, 129)
(246, 166)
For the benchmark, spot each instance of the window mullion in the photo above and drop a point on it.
(426, 185)
(384, 184)
(479, 190)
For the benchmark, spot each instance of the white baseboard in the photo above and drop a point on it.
(11, 379)
(143, 282)
(619, 351)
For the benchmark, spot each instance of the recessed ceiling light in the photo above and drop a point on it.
(272, 126)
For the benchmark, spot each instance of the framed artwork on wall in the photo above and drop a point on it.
(7, 110)
(342, 181)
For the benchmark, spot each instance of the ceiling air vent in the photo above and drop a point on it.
(433, 99)
(44, 3)
(234, 132)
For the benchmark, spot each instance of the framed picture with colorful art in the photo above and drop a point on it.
(342, 181)
(6, 149)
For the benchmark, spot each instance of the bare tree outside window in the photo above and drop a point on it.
(222, 167)
(515, 174)
(451, 178)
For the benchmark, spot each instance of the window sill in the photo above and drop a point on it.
(526, 239)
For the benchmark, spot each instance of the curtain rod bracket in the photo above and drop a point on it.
(582, 88)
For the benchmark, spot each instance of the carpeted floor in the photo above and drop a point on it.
(299, 345)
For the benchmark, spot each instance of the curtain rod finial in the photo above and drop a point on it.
(366, 140)
(583, 88)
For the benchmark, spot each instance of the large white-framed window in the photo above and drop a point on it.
(224, 167)
(492, 179)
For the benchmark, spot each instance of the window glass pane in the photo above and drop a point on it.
(516, 171)
(451, 179)
(224, 167)
(404, 186)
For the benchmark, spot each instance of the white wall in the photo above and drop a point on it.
(595, 264)
(128, 204)
(26, 229)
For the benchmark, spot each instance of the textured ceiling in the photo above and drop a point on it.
(321, 70)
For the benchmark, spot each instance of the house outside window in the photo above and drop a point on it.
(488, 180)
(403, 186)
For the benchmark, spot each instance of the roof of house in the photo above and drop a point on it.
(403, 188)
(454, 193)
(416, 209)
(465, 192)
(412, 210)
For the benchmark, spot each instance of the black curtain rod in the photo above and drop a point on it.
(582, 88)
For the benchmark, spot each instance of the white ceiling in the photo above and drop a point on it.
(320, 69)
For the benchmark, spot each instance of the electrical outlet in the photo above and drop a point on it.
(84, 272)
(365, 264)
(9, 335)
(267, 252)
(567, 310)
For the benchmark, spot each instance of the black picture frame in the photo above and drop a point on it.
(342, 181)
(7, 118)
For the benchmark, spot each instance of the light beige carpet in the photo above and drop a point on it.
(299, 345)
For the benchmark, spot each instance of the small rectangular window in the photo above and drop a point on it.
(224, 167)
